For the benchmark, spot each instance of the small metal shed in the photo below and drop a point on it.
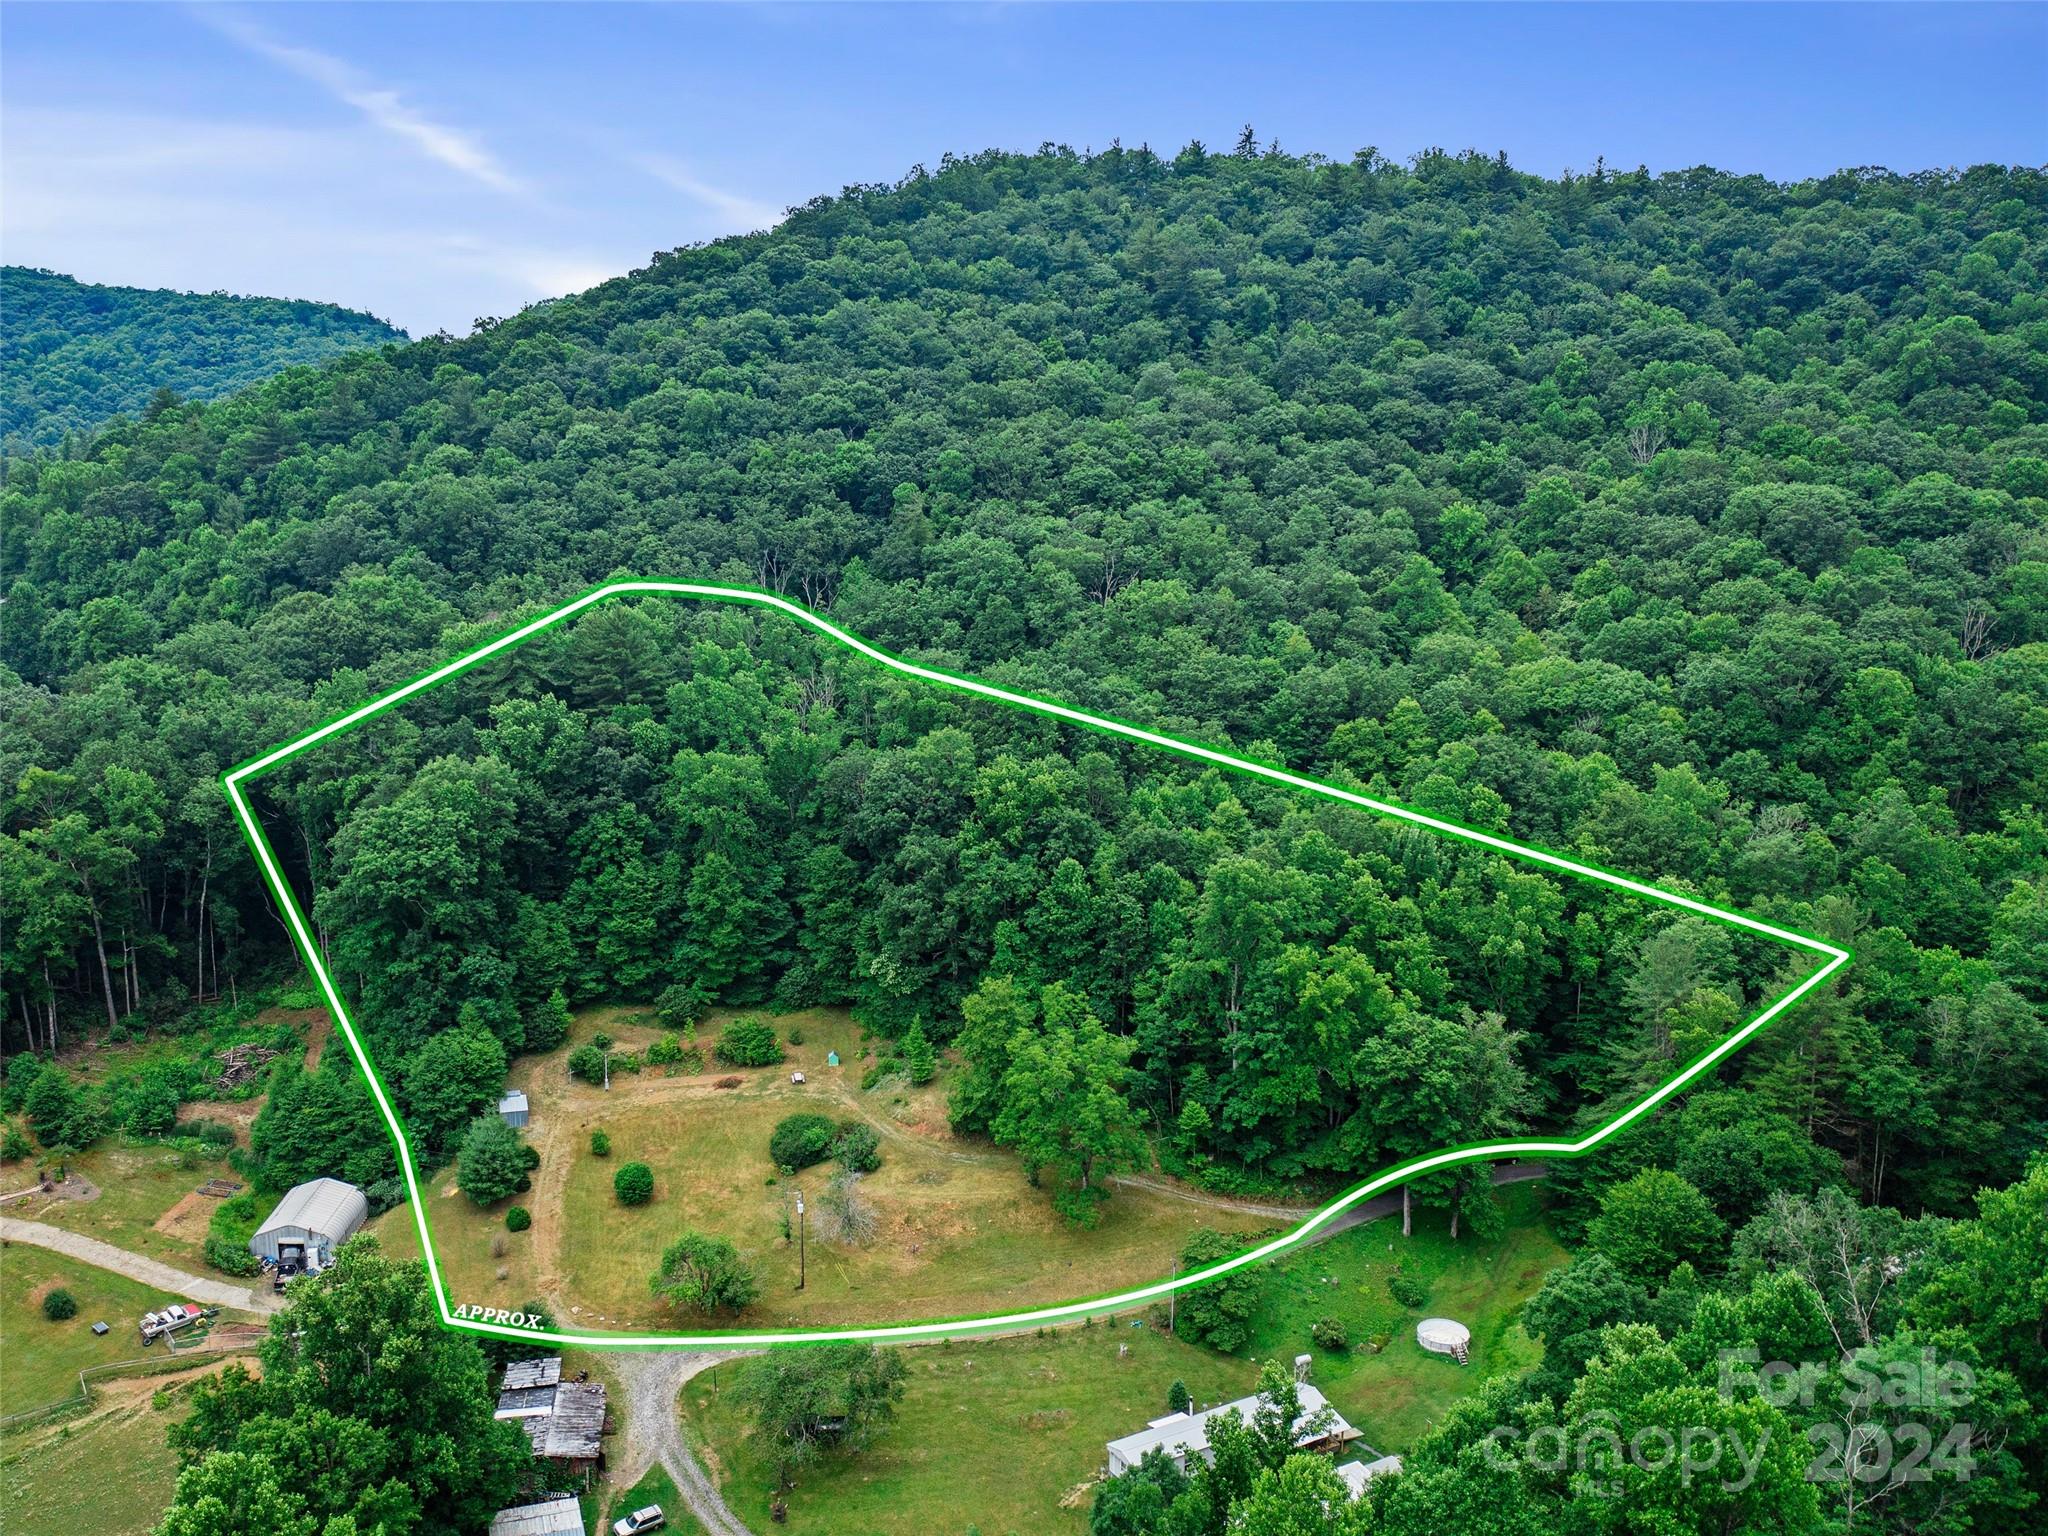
(512, 1109)
(558, 1516)
(310, 1222)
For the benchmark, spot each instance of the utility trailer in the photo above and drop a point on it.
(174, 1318)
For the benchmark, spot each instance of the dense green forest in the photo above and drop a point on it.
(1693, 524)
(74, 355)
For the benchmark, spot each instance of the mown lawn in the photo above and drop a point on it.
(960, 1231)
(1395, 1394)
(42, 1358)
(991, 1432)
(657, 1487)
(998, 1433)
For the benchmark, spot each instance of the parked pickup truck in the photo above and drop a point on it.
(179, 1314)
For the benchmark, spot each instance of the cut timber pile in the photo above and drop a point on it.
(219, 1189)
(240, 1063)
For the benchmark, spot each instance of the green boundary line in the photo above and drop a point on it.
(233, 781)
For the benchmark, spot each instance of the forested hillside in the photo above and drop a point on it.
(1686, 523)
(1692, 524)
(73, 355)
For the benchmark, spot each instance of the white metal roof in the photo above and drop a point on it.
(1357, 1474)
(559, 1516)
(514, 1099)
(1181, 1434)
(326, 1206)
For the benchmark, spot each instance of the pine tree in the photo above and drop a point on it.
(918, 1054)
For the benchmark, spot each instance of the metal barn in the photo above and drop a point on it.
(310, 1222)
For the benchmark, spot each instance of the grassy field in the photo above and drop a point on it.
(1001, 1432)
(109, 1473)
(1395, 1394)
(42, 1358)
(959, 1229)
(147, 1201)
(994, 1432)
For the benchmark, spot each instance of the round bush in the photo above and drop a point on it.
(518, 1219)
(749, 1042)
(587, 1062)
(59, 1305)
(633, 1184)
(801, 1140)
(1406, 1290)
(1328, 1333)
(600, 1144)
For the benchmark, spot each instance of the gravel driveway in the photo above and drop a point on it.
(136, 1266)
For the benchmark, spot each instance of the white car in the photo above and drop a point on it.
(649, 1519)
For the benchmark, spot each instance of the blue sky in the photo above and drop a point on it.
(436, 163)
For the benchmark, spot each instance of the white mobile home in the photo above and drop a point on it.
(1181, 1435)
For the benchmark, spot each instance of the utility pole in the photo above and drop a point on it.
(800, 1276)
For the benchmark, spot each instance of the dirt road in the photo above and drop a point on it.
(136, 1266)
(652, 1381)
(1353, 1216)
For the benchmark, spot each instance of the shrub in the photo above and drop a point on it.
(679, 1006)
(587, 1062)
(518, 1219)
(857, 1146)
(600, 1144)
(749, 1042)
(1080, 1207)
(666, 1051)
(1178, 1398)
(801, 1140)
(1328, 1333)
(59, 1305)
(633, 1184)
(13, 1146)
(231, 1257)
(1406, 1290)
(796, 1036)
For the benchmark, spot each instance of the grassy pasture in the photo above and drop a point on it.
(141, 1187)
(109, 1473)
(1001, 1432)
(995, 1432)
(960, 1230)
(43, 1358)
(1397, 1393)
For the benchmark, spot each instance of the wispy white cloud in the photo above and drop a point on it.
(744, 214)
(381, 106)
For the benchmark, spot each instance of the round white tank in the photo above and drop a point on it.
(1442, 1336)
